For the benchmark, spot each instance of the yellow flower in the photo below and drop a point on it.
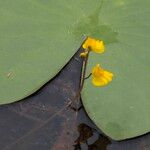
(101, 77)
(94, 45)
(83, 54)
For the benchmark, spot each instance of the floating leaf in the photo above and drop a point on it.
(37, 38)
(122, 108)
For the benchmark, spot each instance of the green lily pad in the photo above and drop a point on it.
(121, 109)
(37, 38)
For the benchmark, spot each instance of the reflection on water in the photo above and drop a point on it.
(89, 136)
(90, 139)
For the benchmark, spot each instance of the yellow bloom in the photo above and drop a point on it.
(101, 77)
(84, 54)
(94, 45)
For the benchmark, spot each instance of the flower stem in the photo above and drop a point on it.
(84, 66)
(78, 94)
(88, 76)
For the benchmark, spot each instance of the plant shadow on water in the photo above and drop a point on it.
(46, 120)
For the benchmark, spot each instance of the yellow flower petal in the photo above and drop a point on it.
(97, 70)
(108, 75)
(97, 82)
(101, 77)
(94, 45)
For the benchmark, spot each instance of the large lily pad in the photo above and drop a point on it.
(122, 109)
(37, 38)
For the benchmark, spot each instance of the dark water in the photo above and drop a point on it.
(53, 119)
